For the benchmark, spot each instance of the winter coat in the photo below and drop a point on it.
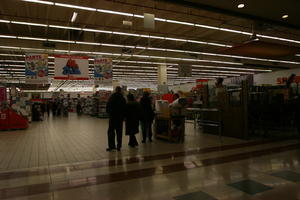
(132, 117)
(115, 106)
(146, 108)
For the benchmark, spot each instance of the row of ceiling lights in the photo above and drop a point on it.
(161, 19)
(140, 62)
(148, 48)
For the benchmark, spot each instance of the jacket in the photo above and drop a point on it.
(116, 105)
(146, 108)
(132, 117)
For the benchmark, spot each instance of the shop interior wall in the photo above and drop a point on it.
(271, 77)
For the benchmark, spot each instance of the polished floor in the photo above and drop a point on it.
(65, 158)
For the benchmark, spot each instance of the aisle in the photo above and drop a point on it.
(75, 139)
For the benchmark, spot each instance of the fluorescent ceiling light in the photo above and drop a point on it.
(4, 21)
(28, 23)
(74, 16)
(65, 27)
(241, 5)
(7, 36)
(7, 54)
(87, 43)
(96, 31)
(32, 38)
(63, 41)
(73, 6)
(115, 12)
(39, 1)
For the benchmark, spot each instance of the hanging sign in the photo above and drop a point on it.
(36, 68)
(184, 71)
(70, 67)
(103, 70)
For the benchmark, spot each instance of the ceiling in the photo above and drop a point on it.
(266, 11)
(182, 35)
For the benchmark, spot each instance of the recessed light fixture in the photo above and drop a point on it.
(241, 5)
(284, 16)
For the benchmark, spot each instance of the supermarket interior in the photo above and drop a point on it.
(151, 99)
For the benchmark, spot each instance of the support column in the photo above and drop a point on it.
(162, 74)
(162, 85)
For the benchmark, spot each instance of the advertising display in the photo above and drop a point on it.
(70, 67)
(36, 68)
(103, 70)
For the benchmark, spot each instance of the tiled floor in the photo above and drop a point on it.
(65, 158)
(75, 139)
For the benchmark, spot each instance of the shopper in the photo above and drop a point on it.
(79, 108)
(115, 107)
(132, 119)
(298, 114)
(147, 116)
(48, 107)
(54, 108)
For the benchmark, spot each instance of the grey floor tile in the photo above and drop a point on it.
(250, 187)
(195, 196)
(288, 175)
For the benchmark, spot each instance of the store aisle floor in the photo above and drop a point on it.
(65, 159)
(63, 140)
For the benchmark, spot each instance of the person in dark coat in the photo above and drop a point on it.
(115, 107)
(147, 116)
(298, 114)
(132, 119)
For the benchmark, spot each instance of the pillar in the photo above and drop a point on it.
(162, 85)
(162, 74)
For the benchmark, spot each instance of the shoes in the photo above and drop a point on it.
(119, 149)
(110, 149)
(144, 141)
(150, 140)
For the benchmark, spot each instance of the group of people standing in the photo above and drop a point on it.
(133, 113)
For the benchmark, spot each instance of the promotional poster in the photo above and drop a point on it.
(70, 67)
(36, 68)
(103, 70)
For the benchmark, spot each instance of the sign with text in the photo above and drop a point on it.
(103, 70)
(184, 71)
(70, 67)
(36, 68)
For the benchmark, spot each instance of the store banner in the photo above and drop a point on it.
(36, 68)
(184, 71)
(103, 70)
(70, 67)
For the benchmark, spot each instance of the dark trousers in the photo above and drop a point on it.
(146, 129)
(115, 128)
(132, 140)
